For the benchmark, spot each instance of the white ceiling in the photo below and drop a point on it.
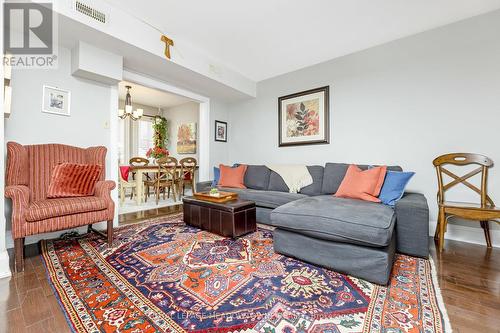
(264, 38)
(150, 97)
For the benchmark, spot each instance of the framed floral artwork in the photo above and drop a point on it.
(186, 138)
(220, 131)
(303, 118)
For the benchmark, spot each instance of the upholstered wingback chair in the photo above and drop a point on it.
(28, 175)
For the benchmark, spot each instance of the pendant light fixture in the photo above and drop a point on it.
(129, 112)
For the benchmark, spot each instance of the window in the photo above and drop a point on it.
(122, 158)
(144, 136)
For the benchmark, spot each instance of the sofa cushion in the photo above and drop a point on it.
(276, 183)
(335, 172)
(257, 177)
(316, 172)
(338, 219)
(49, 208)
(268, 199)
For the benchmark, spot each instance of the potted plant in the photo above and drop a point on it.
(160, 136)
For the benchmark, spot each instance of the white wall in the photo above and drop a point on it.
(88, 125)
(182, 114)
(403, 103)
(219, 151)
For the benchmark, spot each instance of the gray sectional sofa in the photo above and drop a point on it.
(352, 236)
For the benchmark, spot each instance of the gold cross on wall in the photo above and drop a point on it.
(168, 43)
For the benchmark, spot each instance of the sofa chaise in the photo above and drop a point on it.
(352, 236)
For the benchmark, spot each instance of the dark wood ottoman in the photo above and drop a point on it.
(230, 219)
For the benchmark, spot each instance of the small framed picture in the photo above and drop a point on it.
(220, 131)
(56, 101)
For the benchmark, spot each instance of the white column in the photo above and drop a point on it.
(4, 257)
(204, 144)
(112, 157)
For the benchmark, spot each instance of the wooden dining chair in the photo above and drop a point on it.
(141, 161)
(124, 183)
(483, 212)
(138, 161)
(188, 168)
(166, 179)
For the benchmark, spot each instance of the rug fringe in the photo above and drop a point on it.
(439, 297)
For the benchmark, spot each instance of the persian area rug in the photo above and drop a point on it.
(165, 276)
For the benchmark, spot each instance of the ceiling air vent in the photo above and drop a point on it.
(89, 11)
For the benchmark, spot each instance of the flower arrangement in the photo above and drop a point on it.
(157, 152)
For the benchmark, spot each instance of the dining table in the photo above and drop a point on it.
(139, 171)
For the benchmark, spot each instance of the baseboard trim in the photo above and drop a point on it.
(4, 265)
(9, 241)
(455, 232)
(468, 234)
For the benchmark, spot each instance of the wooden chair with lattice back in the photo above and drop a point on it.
(167, 177)
(141, 161)
(188, 168)
(483, 212)
(138, 161)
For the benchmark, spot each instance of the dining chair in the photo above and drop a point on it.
(141, 161)
(166, 178)
(124, 183)
(483, 212)
(188, 168)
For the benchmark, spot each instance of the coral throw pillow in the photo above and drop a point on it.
(364, 185)
(73, 180)
(232, 176)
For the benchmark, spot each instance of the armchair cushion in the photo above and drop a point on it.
(73, 180)
(49, 208)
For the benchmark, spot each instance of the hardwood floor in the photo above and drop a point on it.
(147, 214)
(469, 277)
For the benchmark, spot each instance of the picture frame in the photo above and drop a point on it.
(220, 131)
(304, 118)
(56, 101)
(186, 138)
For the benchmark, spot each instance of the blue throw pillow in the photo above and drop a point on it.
(216, 177)
(217, 174)
(394, 186)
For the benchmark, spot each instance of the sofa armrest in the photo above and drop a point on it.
(412, 225)
(204, 186)
(20, 195)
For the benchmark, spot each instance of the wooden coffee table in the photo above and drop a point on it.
(229, 219)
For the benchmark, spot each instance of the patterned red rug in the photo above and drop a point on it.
(164, 276)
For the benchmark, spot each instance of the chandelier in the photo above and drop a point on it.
(129, 112)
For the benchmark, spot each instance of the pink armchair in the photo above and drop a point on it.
(27, 179)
